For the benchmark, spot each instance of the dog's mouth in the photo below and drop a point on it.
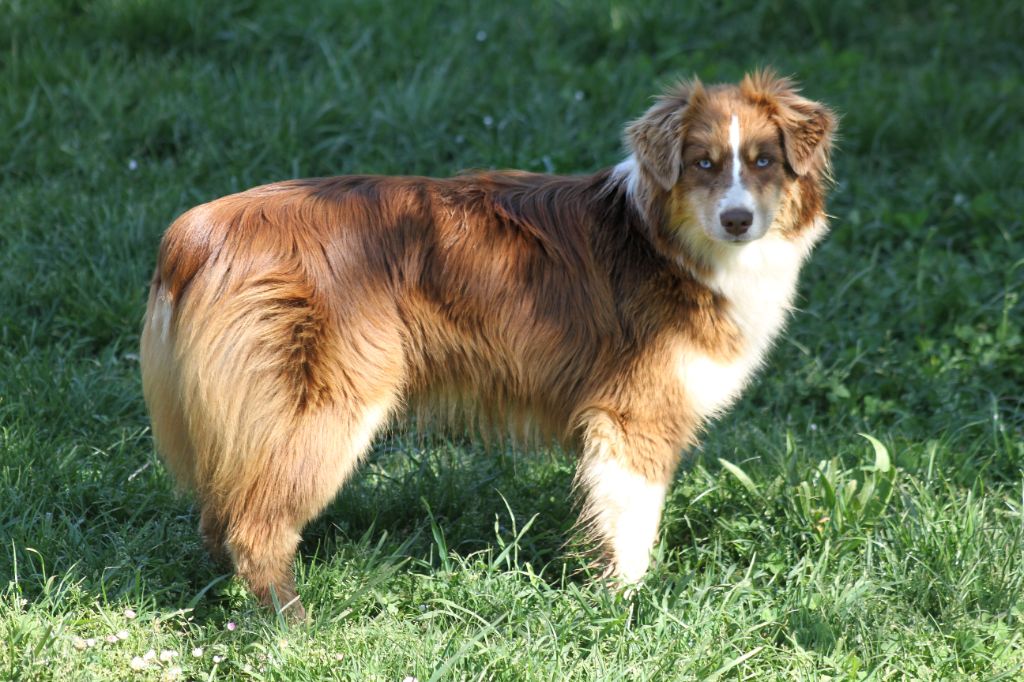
(740, 239)
(723, 237)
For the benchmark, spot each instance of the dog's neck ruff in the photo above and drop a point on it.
(757, 282)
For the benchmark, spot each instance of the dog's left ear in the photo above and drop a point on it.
(656, 138)
(808, 127)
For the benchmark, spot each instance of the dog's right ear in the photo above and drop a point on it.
(656, 138)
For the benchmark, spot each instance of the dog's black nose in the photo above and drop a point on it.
(736, 221)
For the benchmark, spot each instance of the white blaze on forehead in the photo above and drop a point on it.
(737, 196)
(734, 143)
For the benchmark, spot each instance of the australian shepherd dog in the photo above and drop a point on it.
(615, 313)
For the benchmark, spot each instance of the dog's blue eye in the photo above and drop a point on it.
(705, 164)
(763, 162)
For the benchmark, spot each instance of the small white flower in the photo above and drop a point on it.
(167, 654)
(129, 614)
(217, 659)
(122, 634)
(137, 663)
(132, 164)
(149, 655)
(488, 121)
(814, 427)
(409, 678)
(90, 641)
(578, 96)
(339, 657)
(197, 652)
(112, 639)
(172, 673)
(481, 36)
(79, 643)
(231, 626)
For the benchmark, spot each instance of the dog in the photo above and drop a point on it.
(616, 312)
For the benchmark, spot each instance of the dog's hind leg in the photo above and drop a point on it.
(281, 401)
(623, 478)
(292, 485)
(213, 529)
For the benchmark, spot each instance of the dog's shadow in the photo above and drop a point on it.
(436, 496)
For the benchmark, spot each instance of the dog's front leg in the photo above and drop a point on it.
(622, 477)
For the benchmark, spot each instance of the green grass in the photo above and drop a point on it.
(804, 557)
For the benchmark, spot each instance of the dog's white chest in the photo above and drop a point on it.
(758, 283)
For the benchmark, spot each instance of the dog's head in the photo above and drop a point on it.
(728, 160)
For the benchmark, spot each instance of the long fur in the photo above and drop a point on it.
(287, 324)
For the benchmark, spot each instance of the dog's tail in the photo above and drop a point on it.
(245, 365)
(184, 251)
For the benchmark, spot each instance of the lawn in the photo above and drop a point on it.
(813, 552)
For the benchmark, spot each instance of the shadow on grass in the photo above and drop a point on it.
(811, 630)
(476, 498)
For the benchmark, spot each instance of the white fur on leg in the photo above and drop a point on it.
(624, 508)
